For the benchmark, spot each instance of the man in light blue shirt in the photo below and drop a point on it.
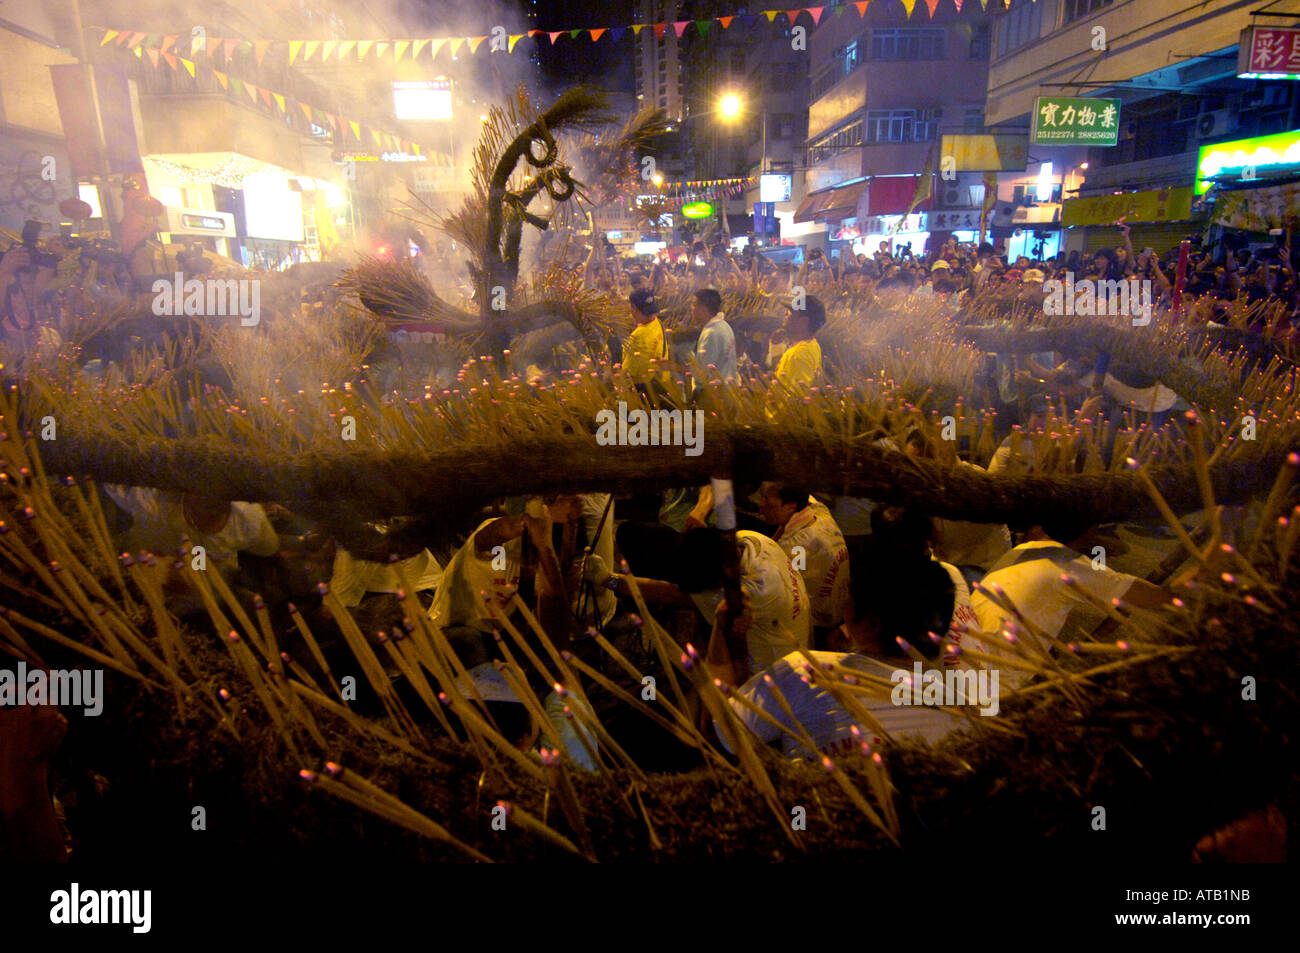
(716, 347)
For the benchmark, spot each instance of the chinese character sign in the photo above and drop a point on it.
(1269, 51)
(1066, 121)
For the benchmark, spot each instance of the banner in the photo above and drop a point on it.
(1157, 205)
(1258, 210)
(286, 50)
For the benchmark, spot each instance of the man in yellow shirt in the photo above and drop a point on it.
(645, 345)
(800, 366)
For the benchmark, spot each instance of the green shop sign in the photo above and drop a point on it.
(1067, 121)
(697, 210)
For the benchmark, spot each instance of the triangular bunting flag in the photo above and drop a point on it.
(167, 43)
(437, 45)
(475, 42)
(932, 4)
(792, 15)
(659, 29)
(616, 33)
(816, 15)
(152, 40)
(908, 7)
(294, 47)
(596, 34)
(381, 49)
(228, 48)
(514, 38)
(235, 84)
(455, 43)
(171, 59)
(862, 7)
(356, 129)
(573, 34)
(725, 21)
(637, 28)
(535, 32)
(374, 135)
(680, 27)
(222, 78)
(400, 47)
(108, 35)
(703, 26)
(419, 45)
(252, 92)
(265, 94)
(189, 67)
(153, 58)
(279, 100)
(329, 48)
(555, 36)
(306, 110)
(771, 15)
(345, 47)
(136, 40)
(363, 47)
(260, 49)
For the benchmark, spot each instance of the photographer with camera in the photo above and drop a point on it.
(26, 270)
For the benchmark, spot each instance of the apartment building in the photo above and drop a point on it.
(1172, 65)
(883, 89)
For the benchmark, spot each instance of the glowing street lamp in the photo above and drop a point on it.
(730, 106)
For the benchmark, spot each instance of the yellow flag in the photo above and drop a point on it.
(363, 47)
(294, 47)
(108, 35)
(312, 47)
(189, 66)
(279, 100)
(399, 48)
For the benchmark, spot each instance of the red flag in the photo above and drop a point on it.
(862, 7)
(817, 14)
(725, 21)
(680, 26)
(659, 29)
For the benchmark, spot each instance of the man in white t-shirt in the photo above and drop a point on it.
(877, 617)
(353, 578)
(161, 521)
(807, 533)
(1029, 576)
(777, 617)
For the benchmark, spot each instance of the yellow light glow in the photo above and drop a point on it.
(729, 106)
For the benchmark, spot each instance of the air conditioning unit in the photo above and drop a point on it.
(955, 196)
(1219, 122)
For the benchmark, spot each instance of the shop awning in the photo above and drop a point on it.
(831, 204)
(893, 194)
(1156, 205)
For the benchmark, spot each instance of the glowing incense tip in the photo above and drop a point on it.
(232, 635)
(225, 695)
(1228, 578)
(828, 764)
(322, 588)
(1123, 646)
(307, 775)
(1178, 603)
(334, 768)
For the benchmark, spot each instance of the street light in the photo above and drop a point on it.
(730, 107)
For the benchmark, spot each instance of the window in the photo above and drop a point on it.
(890, 125)
(1022, 24)
(835, 142)
(979, 42)
(907, 43)
(1078, 9)
(972, 119)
